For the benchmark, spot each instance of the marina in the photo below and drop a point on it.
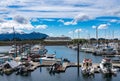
(66, 66)
(59, 40)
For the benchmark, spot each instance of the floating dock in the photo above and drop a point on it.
(64, 66)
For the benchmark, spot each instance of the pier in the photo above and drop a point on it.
(64, 66)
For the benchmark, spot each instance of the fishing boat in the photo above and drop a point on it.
(106, 66)
(87, 68)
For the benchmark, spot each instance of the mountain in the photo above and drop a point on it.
(22, 36)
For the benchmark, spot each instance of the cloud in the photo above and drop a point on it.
(56, 9)
(76, 19)
(103, 26)
(61, 20)
(113, 20)
(7, 26)
(81, 17)
(1, 20)
(41, 27)
(70, 23)
(20, 19)
(78, 30)
(70, 32)
(93, 27)
(47, 19)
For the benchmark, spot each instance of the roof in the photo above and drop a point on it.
(13, 64)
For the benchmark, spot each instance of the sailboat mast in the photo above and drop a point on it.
(97, 34)
(14, 41)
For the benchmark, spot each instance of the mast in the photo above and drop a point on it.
(97, 34)
(14, 42)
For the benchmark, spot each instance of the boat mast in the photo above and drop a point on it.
(97, 34)
(73, 37)
(14, 42)
(78, 62)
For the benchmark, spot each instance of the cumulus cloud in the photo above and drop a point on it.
(81, 17)
(41, 27)
(76, 19)
(7, 26)
(103, 26)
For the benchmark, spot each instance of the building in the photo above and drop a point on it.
(62, 38)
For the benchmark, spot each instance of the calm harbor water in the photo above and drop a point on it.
(71, 74)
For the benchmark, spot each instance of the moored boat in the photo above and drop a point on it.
(107, 67)
(87, 68)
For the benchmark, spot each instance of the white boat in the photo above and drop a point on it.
(106, 66)
(14, 50)
(38, 49)
(50, 58)
(107, 50)
(87, 68)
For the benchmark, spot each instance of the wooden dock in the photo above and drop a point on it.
(64, 66)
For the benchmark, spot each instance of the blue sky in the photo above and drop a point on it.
(61, 17)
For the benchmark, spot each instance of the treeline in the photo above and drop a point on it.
(74, 41)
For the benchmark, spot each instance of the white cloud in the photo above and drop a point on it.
(113, 20)
(61, 8)
(70, 23)
(81, 17)
(78, 30)
(103, 26)
(70, 32)
(34, 20)
(93, 27)
(61, 20)
(8, 26)
(41, 26)
(76, 19)
(47, 19)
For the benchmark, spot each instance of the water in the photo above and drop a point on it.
(4, 49)
(71, 74)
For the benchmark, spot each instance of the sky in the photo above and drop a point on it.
(62, 17)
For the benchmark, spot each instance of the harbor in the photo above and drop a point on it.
(65, 67)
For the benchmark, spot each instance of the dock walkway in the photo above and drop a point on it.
(64, 66)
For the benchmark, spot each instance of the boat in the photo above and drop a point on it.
(106, 66)
(106, 50)
(22, 71)
(14, 50)
(50, 58)
(87, 68)
(38, 49)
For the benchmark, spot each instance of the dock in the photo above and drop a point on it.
(64, 66)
